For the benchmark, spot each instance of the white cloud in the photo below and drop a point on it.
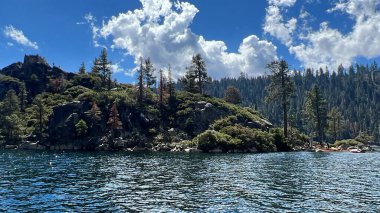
(277, 27)
(116, 68)
(19, 37)
(10, 44)
(161, 30)
(91, 20)
(285, 3)
(329, 47)
(304, 14)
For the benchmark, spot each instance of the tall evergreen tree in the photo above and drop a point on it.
(171, 88)
(95, 69)
(82, 69)
(281, 88)
(104, 67)
(149, 77)
(141, 82)
(10, 120)
(40, 112)
(12, 126)
(114, 121)
(335, 120)
(94, 114)
(316, 112)
(11, 103)
(188, 81)
(162, 90)
(23, 97)
(198, 67)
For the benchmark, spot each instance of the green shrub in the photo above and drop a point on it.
(350, 142)
(87, 80)
(189, 126)
(211, 139)
(89, 96)
(251, 138)
(224, 122)
(364, 137)
(75, 91)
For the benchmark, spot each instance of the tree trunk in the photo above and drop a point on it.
(285, 120)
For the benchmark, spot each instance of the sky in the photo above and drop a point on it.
(233, 36)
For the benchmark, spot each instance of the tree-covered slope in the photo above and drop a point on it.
(353, 93)
(85, 111)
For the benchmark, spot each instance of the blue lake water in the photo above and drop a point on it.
(165, 182)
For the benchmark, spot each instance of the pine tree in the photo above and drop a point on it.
(94, 114)
(188, 81)
(82, 69)
(232, 95)
(95, 69)
(141, 82)
(171, 88)
(161, 89)
(114, 121)
(12, 126)
(198, 67)
(281, 88)
(335, 124)
(149, 77)
(81, 128)
(104, 67)
(40, 110)
(23, 97)
(10, 120)
(316, 112)
(11, 103)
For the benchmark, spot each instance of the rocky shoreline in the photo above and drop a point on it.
(118, 146)
(103, 147)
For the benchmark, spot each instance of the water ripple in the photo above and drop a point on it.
(165, 182)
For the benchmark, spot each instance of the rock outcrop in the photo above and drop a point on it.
(65, 117)
(36, 73)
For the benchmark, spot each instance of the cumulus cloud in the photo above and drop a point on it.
(329, 47)
(161, 30)
(326, 46)
(277, 27)
(19, 37)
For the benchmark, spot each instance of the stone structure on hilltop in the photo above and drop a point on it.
(31, 59)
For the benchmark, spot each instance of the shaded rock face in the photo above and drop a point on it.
(62, 130)
(63, 121)
(203, 115)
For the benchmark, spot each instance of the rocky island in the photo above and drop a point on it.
(44, 107)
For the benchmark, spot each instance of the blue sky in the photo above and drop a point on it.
(233, 36)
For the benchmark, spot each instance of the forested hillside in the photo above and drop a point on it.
(44, 107)
(352, 95)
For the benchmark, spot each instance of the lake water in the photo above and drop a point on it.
(165, 182)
